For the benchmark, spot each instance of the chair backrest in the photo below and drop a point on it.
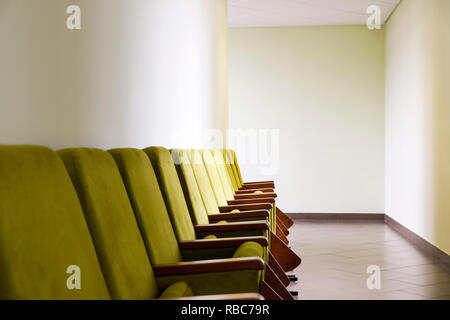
(223, 174)
(42, 230)
(237, 171)
(213, 174)
(172, 192)
(190, 188)
(203, 183)
(112, 223)
(229, 168)
(148, 205)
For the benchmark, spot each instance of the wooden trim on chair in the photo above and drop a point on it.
(251, 201)
(258, 182)
(220, 243)
(207, 266)
(255, 195)
(246, 191)
(257, 186)
(254, 206)
(233, 226)
(225, 297)
(239, 215)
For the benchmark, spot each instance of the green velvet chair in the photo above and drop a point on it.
(42, 229)
(223, 191)
(155, 225)
(244, 188)
(215, 163)
(214, 199)
(122, 251)
(218, 158)
(200, 214)
(197, 185)
(231, 159)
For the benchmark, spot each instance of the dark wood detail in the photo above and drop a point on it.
(418, 241)
(254, 206)
(281, 235)
(269, 293)
(259, 182)
(275, 266)
(239, 215)
(225, 297)
(274, 282)
(280, 223)
(288, 222)
(246, 191)
(257, 185)
(220, 243)
(255, 195)
(233, 226)
(251, 201)
(287, 258)
(207, 266)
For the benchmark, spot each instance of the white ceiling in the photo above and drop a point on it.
(264, 13)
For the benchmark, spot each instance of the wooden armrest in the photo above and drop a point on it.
(247, 191)
(225, 297)
(234, 226)
(258, 185)
(242, 196)
(253, 206)
(259, 182)
(239, 215)
(250, 201)
(207, 266)
(220, 243)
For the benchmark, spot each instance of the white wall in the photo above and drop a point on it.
(323, 88)
(418, 119)
(139, 72)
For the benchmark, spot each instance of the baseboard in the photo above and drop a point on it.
(338, 216)
(409, 235)
(418, 241)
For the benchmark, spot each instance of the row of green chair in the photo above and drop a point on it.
(121, 217)
(204, 175)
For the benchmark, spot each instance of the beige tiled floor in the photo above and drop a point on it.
(336, 256)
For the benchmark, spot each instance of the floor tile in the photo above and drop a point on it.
(336, 256)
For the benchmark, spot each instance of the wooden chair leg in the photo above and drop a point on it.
(288, 222)
(268, 293)
(281, 235)
(275, 283)
(275, 266)
(287, 258)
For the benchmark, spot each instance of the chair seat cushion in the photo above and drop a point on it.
(177, 290)
(249, 249)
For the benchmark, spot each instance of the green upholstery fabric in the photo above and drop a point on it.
(172, 192)
(203, 183)
(42, 229)
(189, 185)
(214, 178)
(112, 223)
(229, 166)
(218, 282)
(177, 290)
(249, 249)
(235, 166)
(170, 186)
(223, 174)
(148, 205)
